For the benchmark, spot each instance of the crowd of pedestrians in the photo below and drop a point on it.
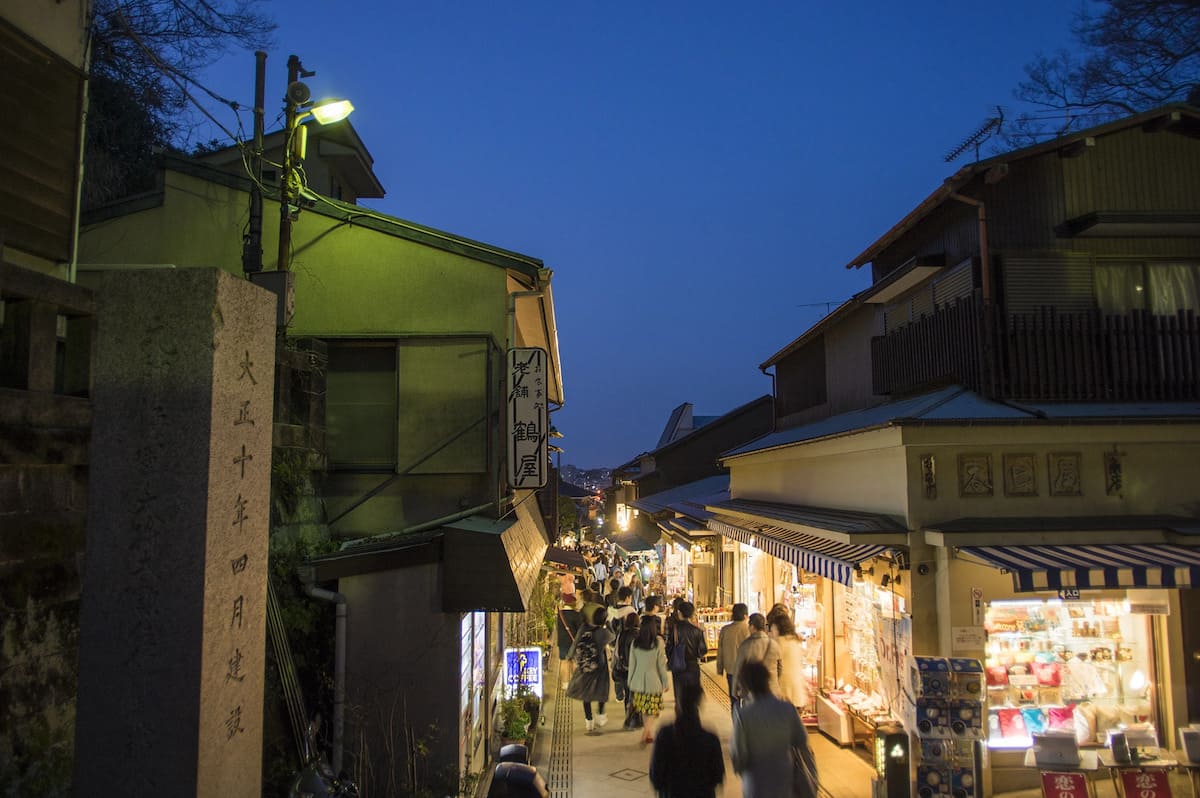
(618, 642)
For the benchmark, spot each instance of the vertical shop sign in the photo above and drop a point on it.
(528, 418)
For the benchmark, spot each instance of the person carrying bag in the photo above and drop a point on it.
(770, 750)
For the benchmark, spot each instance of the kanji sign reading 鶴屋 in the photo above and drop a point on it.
(528, 418)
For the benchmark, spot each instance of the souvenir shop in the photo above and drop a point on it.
(852, 616)
(1087, 661)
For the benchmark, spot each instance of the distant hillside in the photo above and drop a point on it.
(591, 478)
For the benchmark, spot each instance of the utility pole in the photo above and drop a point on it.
(252, 246)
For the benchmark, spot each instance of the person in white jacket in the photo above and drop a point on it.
(648, 675)
(793, 666)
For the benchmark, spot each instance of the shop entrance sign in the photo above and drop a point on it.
(522, 671)
(1145, 783)
(1064, 785)
(1069, 594)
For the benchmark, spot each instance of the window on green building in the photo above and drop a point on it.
(416, 406)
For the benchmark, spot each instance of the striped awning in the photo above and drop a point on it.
(830, 559)
(1097, 567)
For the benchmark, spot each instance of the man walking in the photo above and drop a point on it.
(757, 647)
(690, 637)
(730, 638)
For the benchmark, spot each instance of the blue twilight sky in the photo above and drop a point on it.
(697, 174)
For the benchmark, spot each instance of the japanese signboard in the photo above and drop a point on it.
(1145, 783)
(528, 418)
(1064, 785)
(522, 670)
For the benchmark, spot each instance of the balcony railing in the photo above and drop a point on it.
(1043, 356)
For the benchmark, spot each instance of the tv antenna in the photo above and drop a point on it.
(989, 128)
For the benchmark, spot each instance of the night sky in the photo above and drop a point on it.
(696, 174)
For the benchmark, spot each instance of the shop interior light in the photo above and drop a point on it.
(1137, 682)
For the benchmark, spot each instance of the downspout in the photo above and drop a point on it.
(339, 665)
(985, 265)
(73, 265)
(989, 376)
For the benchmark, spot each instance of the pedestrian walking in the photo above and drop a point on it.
(647, 680)
(757, 647)
(590, 681)
(728, 639)
(686, 761)
(566, 628)
(770, 748)
(793, 666)
(620, 668)
(685, 664)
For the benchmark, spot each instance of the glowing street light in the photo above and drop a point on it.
(298, 109)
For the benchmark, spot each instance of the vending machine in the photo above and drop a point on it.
(949, 715)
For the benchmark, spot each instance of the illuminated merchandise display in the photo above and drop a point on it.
(1082, 666)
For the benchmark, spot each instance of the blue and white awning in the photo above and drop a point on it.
(1133, 565)
(830, 559)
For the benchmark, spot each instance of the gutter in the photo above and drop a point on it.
(339, 662)
(73, 265)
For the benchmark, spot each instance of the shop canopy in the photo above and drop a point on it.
(1105, 552)
(827, 542)
(1104, 566)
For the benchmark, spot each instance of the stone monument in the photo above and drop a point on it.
(173, 610)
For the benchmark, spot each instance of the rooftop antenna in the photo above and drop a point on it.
(990, 127)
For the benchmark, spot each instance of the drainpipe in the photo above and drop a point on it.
(989, 368)
(339, 665)
(84, 109)
(985, 265)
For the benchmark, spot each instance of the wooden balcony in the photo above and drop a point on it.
(1044, 356)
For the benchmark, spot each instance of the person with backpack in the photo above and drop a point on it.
(590, 681)
(688, 649)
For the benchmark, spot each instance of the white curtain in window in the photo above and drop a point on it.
(1174, 287)
(1120, 288)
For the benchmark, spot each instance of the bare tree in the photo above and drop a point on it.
(146, 55)
(1131, 55)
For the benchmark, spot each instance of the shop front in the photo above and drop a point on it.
(850, 613)
(1073, 633)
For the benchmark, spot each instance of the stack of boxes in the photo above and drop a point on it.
(949, 712)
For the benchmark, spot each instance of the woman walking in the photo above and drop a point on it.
(620, 670)
(590, 680)
(767, 734)
(648, 676)
(793, 667)
(686, 761)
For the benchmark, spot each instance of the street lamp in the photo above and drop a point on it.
(298, 108)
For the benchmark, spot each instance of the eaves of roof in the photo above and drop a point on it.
(355, 215)
(967, 173)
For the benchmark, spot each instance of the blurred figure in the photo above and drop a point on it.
(647, 680)
(686, 761)
(766, 730)
(731, 636)
(793, 666)
(757, 647)
(590, 681)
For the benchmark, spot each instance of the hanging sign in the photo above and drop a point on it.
(528, 418)
(1064, 785)
(1146, 783)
